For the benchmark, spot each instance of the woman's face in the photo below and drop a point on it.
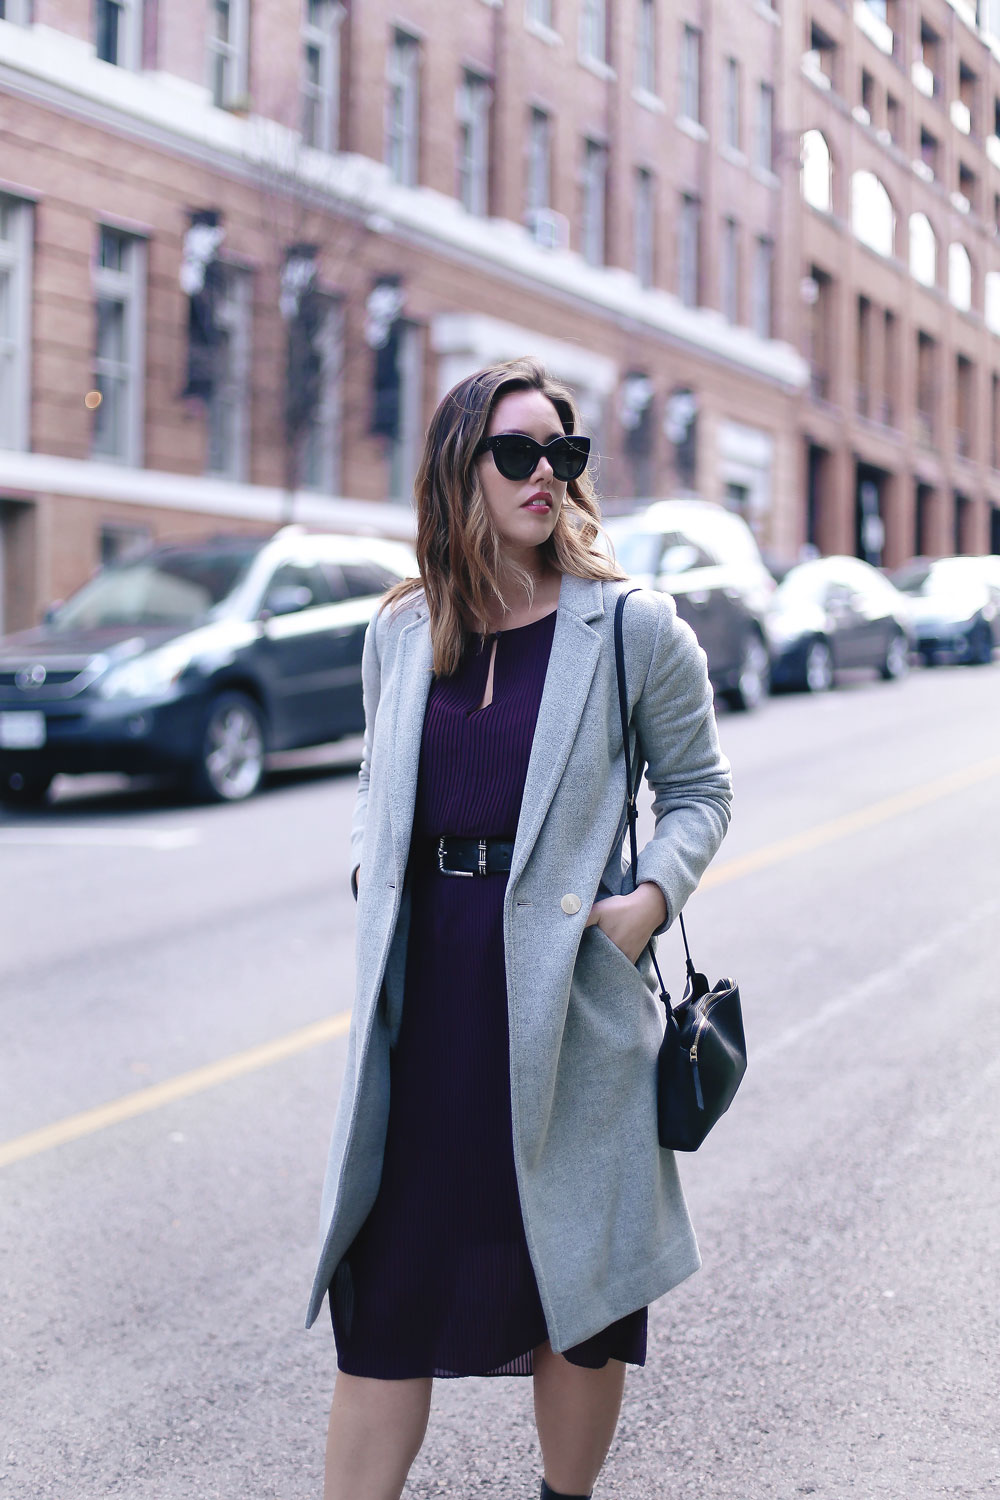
(524, 511)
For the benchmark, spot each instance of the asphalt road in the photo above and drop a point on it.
(842, 1337)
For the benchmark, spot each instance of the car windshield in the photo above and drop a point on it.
(803, 585)
(172, 587)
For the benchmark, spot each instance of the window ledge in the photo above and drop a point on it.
(767, 177)
(768, 12)
(543, 33)
(731, 154)
(600, 69)
(649, 101)
(693, 128)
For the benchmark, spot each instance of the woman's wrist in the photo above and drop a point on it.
(653, 902)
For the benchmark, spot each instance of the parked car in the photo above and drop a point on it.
(708, 559)
(831, 613)
(195, 660)
(954, 606)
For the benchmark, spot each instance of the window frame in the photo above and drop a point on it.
(127, 288)
(689, 250)
(16, 257)
(732, 92)
(762, 307)
(539, 127)
(321, 446)
(690, 74)
(129, 33)
(644, 226)
(594, 201)
(234, 314)
(764, 128)
(646, 69)
(593, 38)
(402, 144)
(473, 105)
(729, 271)
(323, 97)
(231, 55)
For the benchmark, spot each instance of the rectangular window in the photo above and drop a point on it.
(820, 347)
(592, 206)
(964, 402)
(228, 51)
(894, 119)
(820, 62)
(968, 186)
(16, 219)
(228, 409)
(119, 32)
(890, 356)
(689, 250)
(538, 185)
(928, 151)
(644, 236)
(321, 73)
(690, 79)
(732, 135)
(926, 388)
(319, 460)
(761, 313)
(539, 13)
(406, 445)
(473, 110)
(119, 275)
(764, 145)
(594, 30)
(645, 47)
(19, 12)
(729, 270)
(863, 358)
(402, 140)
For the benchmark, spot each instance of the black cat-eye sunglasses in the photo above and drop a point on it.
(516, 455)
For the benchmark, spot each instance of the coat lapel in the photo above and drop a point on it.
(414, 660)
(572, 662)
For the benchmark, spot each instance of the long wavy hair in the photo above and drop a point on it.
(458, 548)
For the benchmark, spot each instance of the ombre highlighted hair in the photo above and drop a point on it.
(458, 549)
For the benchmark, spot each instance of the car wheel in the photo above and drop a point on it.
(231, 763)
(817, 672)
(897, 659)
(980, 649)
(24, 788)
(754, 679)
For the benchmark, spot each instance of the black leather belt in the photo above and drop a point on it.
(470, 857)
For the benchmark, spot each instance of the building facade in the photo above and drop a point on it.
(757, 242)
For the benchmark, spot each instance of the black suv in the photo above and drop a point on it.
(195, 660)
(708, 559)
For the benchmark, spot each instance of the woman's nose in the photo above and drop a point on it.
(543, 469)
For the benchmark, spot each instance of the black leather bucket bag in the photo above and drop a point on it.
(703, 1055)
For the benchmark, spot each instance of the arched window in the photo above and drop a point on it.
(817, 171)
(959, 276)
(991, 301)
(872, 216)
(923, 250)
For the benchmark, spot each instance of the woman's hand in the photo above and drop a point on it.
(630, 921)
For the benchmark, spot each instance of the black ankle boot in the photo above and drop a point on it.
(549, 1494)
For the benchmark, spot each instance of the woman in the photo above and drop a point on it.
(496, 1199)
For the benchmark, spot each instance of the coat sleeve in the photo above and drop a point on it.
(371, 683)
(674, 717)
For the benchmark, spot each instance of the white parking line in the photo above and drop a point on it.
(102, 838)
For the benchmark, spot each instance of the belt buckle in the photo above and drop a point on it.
(443, 868)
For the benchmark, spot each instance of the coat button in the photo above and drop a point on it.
(571, 904)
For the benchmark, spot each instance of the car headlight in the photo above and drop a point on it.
(146, 676)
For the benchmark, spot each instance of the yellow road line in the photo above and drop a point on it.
(848, 823)
(181, 1087)
(198, 1079)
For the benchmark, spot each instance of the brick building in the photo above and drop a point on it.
(624, 187)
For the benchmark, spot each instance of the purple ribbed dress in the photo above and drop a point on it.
(439, 1280)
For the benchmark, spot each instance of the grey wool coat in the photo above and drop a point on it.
(604, 1216)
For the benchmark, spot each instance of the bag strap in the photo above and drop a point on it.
(632, 783)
